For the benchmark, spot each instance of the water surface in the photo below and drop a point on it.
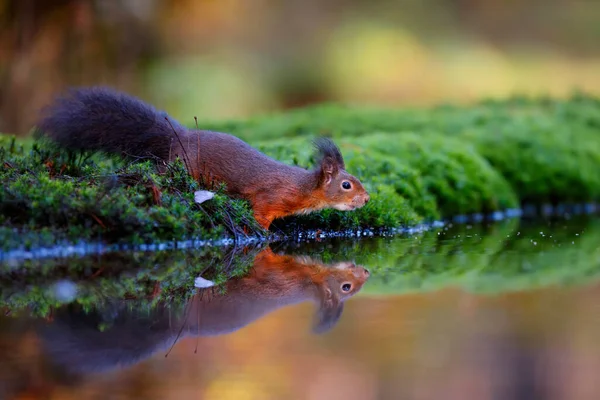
(503, 311)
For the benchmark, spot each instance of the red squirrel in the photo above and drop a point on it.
(102, 119)
(74, 341)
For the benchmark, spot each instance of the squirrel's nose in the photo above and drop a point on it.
(367, 198)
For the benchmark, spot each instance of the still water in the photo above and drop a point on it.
(503, 311)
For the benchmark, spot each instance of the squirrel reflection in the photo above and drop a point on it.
(74, 340)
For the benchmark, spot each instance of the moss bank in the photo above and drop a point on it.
(419, 165)
(448, 160)
(50, 195)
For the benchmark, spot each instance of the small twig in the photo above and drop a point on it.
(179, 333)
(98, 272)
(98, 220)
(233, 229)
(197, 147)
(212, 223)
(185, 155)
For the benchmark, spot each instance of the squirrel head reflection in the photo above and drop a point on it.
(73, 340)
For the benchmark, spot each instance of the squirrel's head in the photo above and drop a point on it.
(342, 191)
(346, 279)
(343, 280)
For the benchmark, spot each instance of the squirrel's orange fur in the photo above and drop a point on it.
(101, 119)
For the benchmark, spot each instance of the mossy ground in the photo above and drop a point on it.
(448, 160)
(418, 164)
(51, 195)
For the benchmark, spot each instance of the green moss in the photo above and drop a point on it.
(545, 150)
(50, 195)
(453, 173)
(412, 178)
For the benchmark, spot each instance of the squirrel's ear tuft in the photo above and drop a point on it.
(328, 158)
(326, 149)
(328, 315)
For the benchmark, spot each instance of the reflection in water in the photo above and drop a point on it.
(406, 335)
(77, 342)
(447, 344)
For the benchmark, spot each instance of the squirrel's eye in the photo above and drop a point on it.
(346, 287)
(346, 185)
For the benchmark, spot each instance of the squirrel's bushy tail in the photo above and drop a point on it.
(103, 119)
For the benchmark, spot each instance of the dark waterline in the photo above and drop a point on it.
(504, 310)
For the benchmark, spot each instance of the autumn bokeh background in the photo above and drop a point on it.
(233, 58)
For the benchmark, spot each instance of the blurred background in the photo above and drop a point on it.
(232, 58)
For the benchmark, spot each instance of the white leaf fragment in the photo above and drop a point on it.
(202, 283)
(201, 196)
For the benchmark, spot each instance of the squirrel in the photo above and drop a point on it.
(134, 333)
(103, 119)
